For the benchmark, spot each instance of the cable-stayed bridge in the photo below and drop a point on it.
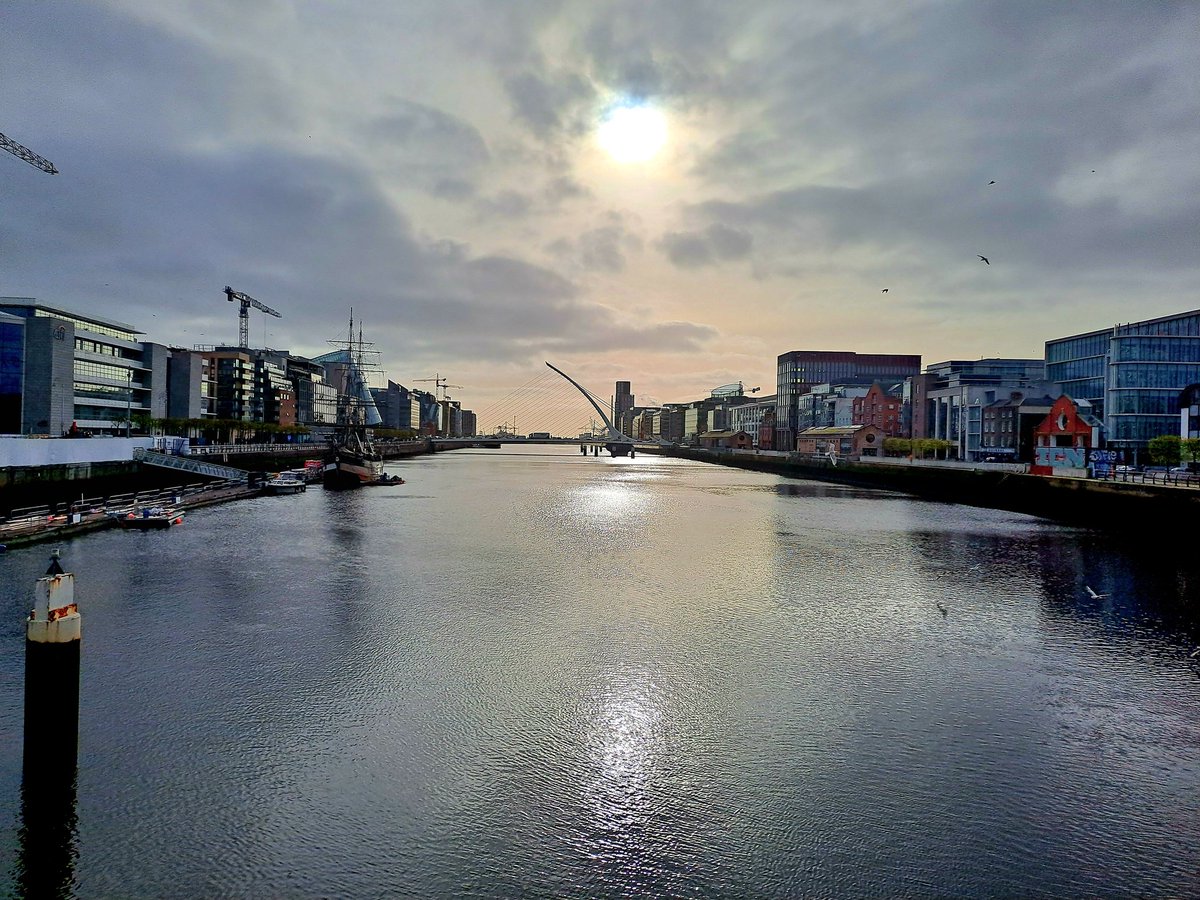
(549, 404)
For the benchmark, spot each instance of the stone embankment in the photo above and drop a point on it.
(1135, 506)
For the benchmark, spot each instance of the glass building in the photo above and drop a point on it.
(12, 365)
(1132, 375)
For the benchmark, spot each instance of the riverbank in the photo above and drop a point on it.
(1147, 510)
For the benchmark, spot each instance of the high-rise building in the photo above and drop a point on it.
(1132, 375)
(798, 370)
(622, 400)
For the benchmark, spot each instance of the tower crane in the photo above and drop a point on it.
(439, 385)
(244, 313)
(22, 152)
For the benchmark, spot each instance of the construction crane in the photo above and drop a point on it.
(440, 386)
(23, 152)
(244, 313)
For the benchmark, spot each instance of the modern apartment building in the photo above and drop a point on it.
(799, 370)
(1131, 374)
(879, 408)
(748, 417)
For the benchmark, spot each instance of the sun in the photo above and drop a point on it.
(632, 134)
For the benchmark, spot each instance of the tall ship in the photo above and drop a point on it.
(352, 459)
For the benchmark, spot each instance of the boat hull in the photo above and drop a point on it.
(350, 471)
(150, 523)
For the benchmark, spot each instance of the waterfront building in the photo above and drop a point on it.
(12, 371)
(949, 397)
(469, 423)
(1008, 426)
(798, 371)
(727, 439)
(1064, 437)
(398, 407)
(668, 424)
(828, 406)
(1131, 374)
(879, 408)
(838, 441)
(748, 417)
(82, 372)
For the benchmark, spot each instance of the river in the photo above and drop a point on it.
(533, 673)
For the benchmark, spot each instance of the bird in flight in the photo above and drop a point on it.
(984, 258)
(991, 182)
(1195, 653)
(942, 609)
(1093, 594)
(884, 291)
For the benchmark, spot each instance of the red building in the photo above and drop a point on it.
(1064, 438)
(880, 409)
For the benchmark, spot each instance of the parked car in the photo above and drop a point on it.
(1126, 468)
(1181, 470)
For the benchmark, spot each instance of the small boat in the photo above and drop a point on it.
(150, 517)
(384, 480)
(285, 483)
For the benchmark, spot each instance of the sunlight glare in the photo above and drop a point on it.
(632, 134)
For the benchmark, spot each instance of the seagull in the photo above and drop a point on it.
(1195, 653)
(984, 258)
(1093, 594)
(884, 291)
(991, 182)
(942, 609)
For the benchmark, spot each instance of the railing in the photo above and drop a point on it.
(1154, 476)
(188, 464)
(223, 449)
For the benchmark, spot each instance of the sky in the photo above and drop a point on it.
(669, 193)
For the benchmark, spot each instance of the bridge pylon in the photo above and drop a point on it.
(616, 442)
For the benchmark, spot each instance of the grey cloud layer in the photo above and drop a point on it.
(445, 199)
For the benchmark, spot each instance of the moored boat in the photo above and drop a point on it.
(150, 517)
(285, 483)
(353, 461)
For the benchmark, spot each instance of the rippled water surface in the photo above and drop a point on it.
(532, 673)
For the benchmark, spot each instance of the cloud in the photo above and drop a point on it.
(424, 138)
(549, 104)
(715, 244)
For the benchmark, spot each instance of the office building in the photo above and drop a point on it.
(949, 397)
(1132, 375)
(81, 372)
(799, 370)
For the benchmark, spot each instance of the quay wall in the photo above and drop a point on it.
(1146, 509)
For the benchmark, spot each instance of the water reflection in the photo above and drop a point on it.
(47, 834)
(47, 837)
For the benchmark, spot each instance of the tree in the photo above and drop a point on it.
(1165, 450)
(897, 446)
(1191, 449)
